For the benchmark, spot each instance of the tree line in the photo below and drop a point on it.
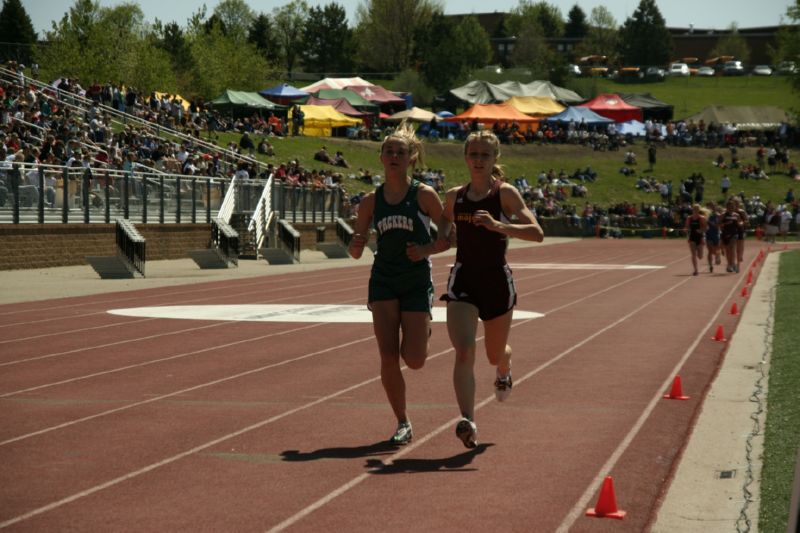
(233, 46)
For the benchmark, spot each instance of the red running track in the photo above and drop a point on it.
(119, 423)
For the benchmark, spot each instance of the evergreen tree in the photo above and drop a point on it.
(16, 33)
(644, 38)
(576, 26)
(327, 41)
(262, 36)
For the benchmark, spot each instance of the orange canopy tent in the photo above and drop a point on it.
(488, 114)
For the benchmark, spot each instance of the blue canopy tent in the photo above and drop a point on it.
(444, 127)
(282, 94)
(578, 115)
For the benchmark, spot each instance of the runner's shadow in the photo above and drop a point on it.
(369, 450)
(456, 463)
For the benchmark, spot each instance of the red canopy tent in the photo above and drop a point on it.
(376, 94)
(341, 105)
(614, 107)
(491, 113)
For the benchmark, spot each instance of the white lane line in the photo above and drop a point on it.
(583, 502)
(580, 266)
(202, 447)
(415, 444)
(193, 388)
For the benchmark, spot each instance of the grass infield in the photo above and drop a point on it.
(782, 431)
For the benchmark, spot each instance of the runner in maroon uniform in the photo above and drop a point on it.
(729, 227)
(480, 283)
(696, 225)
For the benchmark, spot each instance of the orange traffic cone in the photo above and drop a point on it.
(750, 277)
(676, 393)
(606, 506)
(744, 291)
(734, 309)
(719, 335)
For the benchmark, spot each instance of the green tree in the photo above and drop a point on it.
(236, 18)
(385, 31)
(103, 45)
(327, 41)
(18, 35)
(644, 38)
(289, 23)
(446, 51)
(576, 26)
(602, 37)
(262, 36)
(222, 62)
(788, 42)
(732, 44)
(546, 17)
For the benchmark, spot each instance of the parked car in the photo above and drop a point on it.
(655, 73)
(679, 69)
(706, 71)
(733, 68)
(786, 67)
(762, 70)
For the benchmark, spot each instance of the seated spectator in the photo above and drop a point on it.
(266, 148)
(630, 157)
(322, 155)
(340, 161)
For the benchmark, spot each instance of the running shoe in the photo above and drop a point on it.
(502, 387)
(467, 431)
(403, 434)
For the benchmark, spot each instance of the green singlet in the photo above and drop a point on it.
(394, 275)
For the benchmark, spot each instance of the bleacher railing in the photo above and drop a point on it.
(131, 245)
(225, 240)
(262, 216)
(343, 231)
(81, 104)
(289, 239)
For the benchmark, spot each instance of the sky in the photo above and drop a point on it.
(702, 14)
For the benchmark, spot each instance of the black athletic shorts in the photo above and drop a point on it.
(491, 290)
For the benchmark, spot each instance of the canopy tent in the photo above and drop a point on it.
(241, 102)
(341, 105)
(282, 94)
(491, 113)
(551, 90)
(632, 127)
(352, 98)
(744, 117)
(377, 94)
(579, 115)
(652, 107)
(334, 83)
(183, 101)
(536, 106)
(319, 120)
(611, 106)
(415, 114)
(483, 92)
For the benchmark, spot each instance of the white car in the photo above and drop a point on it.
(706, 71)
(678, 69)
(762, 70)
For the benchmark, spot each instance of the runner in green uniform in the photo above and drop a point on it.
(400, 285)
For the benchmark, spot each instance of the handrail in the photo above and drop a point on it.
(262, 216)
(131, 245)
(229, 202)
